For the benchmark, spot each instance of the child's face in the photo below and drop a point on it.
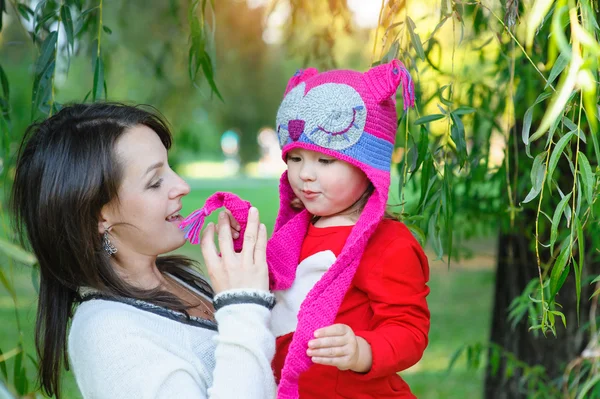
(326, 186)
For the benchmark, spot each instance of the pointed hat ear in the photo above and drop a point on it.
(300, 76)
(384, 79)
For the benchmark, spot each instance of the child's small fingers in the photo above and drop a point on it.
(234, 223)
(339, 362)
(327, 342)
(339, 351)
(332, 331)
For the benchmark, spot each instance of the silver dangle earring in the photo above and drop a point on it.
(109, 248)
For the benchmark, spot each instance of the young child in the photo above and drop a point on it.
(351, 289)
(350, 284)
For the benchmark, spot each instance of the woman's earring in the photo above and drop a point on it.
(109, 248)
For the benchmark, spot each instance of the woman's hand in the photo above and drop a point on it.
(231, 270)
(338, 346)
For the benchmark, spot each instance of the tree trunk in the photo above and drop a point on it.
(516, 267)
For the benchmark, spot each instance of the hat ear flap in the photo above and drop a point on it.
(384, 79)
(300, 76)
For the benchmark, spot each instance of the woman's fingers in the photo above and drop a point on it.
(225, 239)
(260, 249)
(250, 237)
(209, 250)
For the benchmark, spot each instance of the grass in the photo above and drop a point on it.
(460, 303)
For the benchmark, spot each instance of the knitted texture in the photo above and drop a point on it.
(350, 116)
(237, 206)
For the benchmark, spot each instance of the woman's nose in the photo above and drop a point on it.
(180, 188)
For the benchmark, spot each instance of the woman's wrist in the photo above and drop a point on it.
(244, 296)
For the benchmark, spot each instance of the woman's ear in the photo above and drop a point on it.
(104, 219)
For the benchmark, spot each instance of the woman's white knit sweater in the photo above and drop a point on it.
(120, 351)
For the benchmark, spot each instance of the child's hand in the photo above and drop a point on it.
(235, 226)
(338, 346)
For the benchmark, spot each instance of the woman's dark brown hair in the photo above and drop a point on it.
(66, 172)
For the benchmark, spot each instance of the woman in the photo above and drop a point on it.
(95, 197)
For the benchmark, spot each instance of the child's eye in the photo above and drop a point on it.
(326, 161)
(156, 185)
(294, 159)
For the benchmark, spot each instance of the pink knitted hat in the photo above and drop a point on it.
(350, 116)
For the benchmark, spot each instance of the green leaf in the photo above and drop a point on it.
(447, 101)
(415, 39)
(65, 16)
(107, 29)
(6, 283)
(33, 360)
(392, 52)
(588, 178)
(560, 208)
(557, 28)
(17, 253)
(447, 206)
(3, 367)
(589, 87)
(429, 118)
(494, 360)
(560, 99)
(557, 152)
(464, 110)
(98, 87)
(44, 70)
(4, 85)
(25, 11)
(579, 266)
(208, 73)
(559, 65)
(418, 233)
(537, 177)
(594, 130)
(559, 271)
(529, 115)
(423, 148)
(39, 24)
(559, 314)
(455, 357)
(18, 373)
(458, 136)
(587, 386)
(2, 10)
(536, 16)
(86, 12)
(434, 235)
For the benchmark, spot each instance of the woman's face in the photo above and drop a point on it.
(145, 216)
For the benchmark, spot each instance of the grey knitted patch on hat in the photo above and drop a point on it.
(334, 115)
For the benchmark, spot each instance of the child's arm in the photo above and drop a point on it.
(396, 287)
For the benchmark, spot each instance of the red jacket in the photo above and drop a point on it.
(385, 305)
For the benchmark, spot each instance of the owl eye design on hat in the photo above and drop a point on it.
(331, 115)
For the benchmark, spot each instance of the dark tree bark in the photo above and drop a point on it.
(516, 267)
